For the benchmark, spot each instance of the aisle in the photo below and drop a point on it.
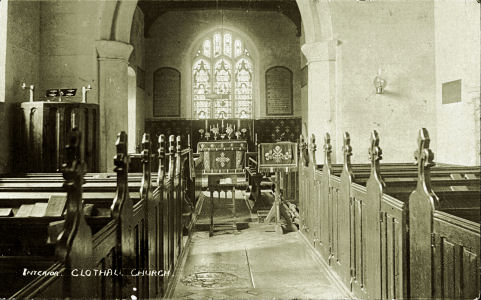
(256, 263)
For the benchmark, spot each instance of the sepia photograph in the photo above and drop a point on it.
(240, 149)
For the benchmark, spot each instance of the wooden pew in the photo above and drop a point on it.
(157, 227)
(55, 260)
(129, 228)
(347, 215)
(119, 228)
(444, 248)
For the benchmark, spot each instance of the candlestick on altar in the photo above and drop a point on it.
(206, 125)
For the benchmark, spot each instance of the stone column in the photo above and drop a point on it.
(321, 116)
(113, 60)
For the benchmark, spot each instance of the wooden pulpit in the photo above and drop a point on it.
(44, 130)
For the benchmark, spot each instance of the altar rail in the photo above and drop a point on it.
(392, 231)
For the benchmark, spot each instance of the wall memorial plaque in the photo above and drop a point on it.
(279, 91)
(166, 93)
(451, 91)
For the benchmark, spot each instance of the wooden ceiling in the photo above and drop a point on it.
(153, 9)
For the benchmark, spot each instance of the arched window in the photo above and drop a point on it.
(222, 77)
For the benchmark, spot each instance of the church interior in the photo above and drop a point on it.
(240, 149)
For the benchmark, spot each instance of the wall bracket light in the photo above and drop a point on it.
(379, 83)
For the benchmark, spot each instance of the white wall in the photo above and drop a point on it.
(398, 37)
(457, 33)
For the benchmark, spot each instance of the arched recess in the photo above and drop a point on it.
(167, 93)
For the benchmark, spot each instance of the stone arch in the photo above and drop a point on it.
(319, 48)
(315, 17)
(110, 14)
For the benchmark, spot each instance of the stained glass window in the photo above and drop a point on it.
(243, 89)
(217, 44)
(202, 85)
(222, 78)
(238, 48)
(228, 44)
(206, 47)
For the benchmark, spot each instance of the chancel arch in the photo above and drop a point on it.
(112, 15)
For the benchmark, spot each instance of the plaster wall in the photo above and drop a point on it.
(21, 65)
(457, 36)
(397, 37)
(170, 42)
(67, 52)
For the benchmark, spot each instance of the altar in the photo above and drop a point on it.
(225, 157)
(222, 159)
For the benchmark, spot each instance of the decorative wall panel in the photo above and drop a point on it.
(275, 130)
(166, 93)
(279, 91)
(267, 130)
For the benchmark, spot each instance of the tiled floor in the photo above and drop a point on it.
(255, 263)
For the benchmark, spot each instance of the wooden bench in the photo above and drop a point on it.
(361, 226)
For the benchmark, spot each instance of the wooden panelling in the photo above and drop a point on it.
(44, 129)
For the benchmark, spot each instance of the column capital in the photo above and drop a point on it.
(320, 51)
(113, 50)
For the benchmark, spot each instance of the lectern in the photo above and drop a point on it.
(222, 159)
(277, 157)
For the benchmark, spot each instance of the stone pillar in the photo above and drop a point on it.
(321, 112)
(113, 60)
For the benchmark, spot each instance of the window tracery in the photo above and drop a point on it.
(222, 78)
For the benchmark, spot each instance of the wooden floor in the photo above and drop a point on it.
(255, 263)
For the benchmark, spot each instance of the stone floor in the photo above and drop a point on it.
(255, 263)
